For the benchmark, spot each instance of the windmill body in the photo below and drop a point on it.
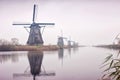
(60, 42)
(35, 61)
(35, 36)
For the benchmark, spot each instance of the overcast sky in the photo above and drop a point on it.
(86, 21)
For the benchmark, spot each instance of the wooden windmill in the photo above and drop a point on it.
(72, 43)
(60, 41)
(35, 36)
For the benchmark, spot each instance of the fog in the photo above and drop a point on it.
(87, 22)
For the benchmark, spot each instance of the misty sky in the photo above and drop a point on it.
(87, 21)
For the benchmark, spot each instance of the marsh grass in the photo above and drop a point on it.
(28, 48)
(112, 65)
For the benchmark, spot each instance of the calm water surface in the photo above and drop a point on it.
(68, 64)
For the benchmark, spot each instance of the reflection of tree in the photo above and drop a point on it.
(35, 61)
(112, 62)
(6, 57)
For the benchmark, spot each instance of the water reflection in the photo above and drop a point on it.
(30, 66)
(60, 53)
(13, 56)
(69, 51)
(35, 67)
(35, 61)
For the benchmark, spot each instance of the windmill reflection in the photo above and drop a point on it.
(35, 65)
(69, 51)
(61, 55)
(35, 61)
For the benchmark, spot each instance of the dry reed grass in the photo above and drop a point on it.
(28, 48)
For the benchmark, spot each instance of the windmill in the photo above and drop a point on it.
(60, 42)
(35, 35)
(72, 43)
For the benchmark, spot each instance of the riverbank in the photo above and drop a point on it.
(29, 48)
(110, 46)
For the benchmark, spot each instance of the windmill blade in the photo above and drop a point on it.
(34, 12)
(45, 23)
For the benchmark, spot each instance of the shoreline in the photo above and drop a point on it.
(110, 46)
(30, 48)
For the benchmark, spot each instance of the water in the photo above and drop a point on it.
(68, 64)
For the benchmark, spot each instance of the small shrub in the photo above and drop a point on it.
(7, 47)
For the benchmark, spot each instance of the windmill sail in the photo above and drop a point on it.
(34, 13)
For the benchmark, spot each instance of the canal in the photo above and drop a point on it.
(82, 63)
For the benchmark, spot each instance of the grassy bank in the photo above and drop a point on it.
(28, 48)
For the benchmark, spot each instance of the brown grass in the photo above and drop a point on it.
(28, 48)
(36, 48)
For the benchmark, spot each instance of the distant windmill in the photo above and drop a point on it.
(35, 35)
(60, 42)
(72, 43)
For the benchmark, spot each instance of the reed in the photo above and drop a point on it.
(112, 67)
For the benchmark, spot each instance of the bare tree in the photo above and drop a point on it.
(15, 41)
